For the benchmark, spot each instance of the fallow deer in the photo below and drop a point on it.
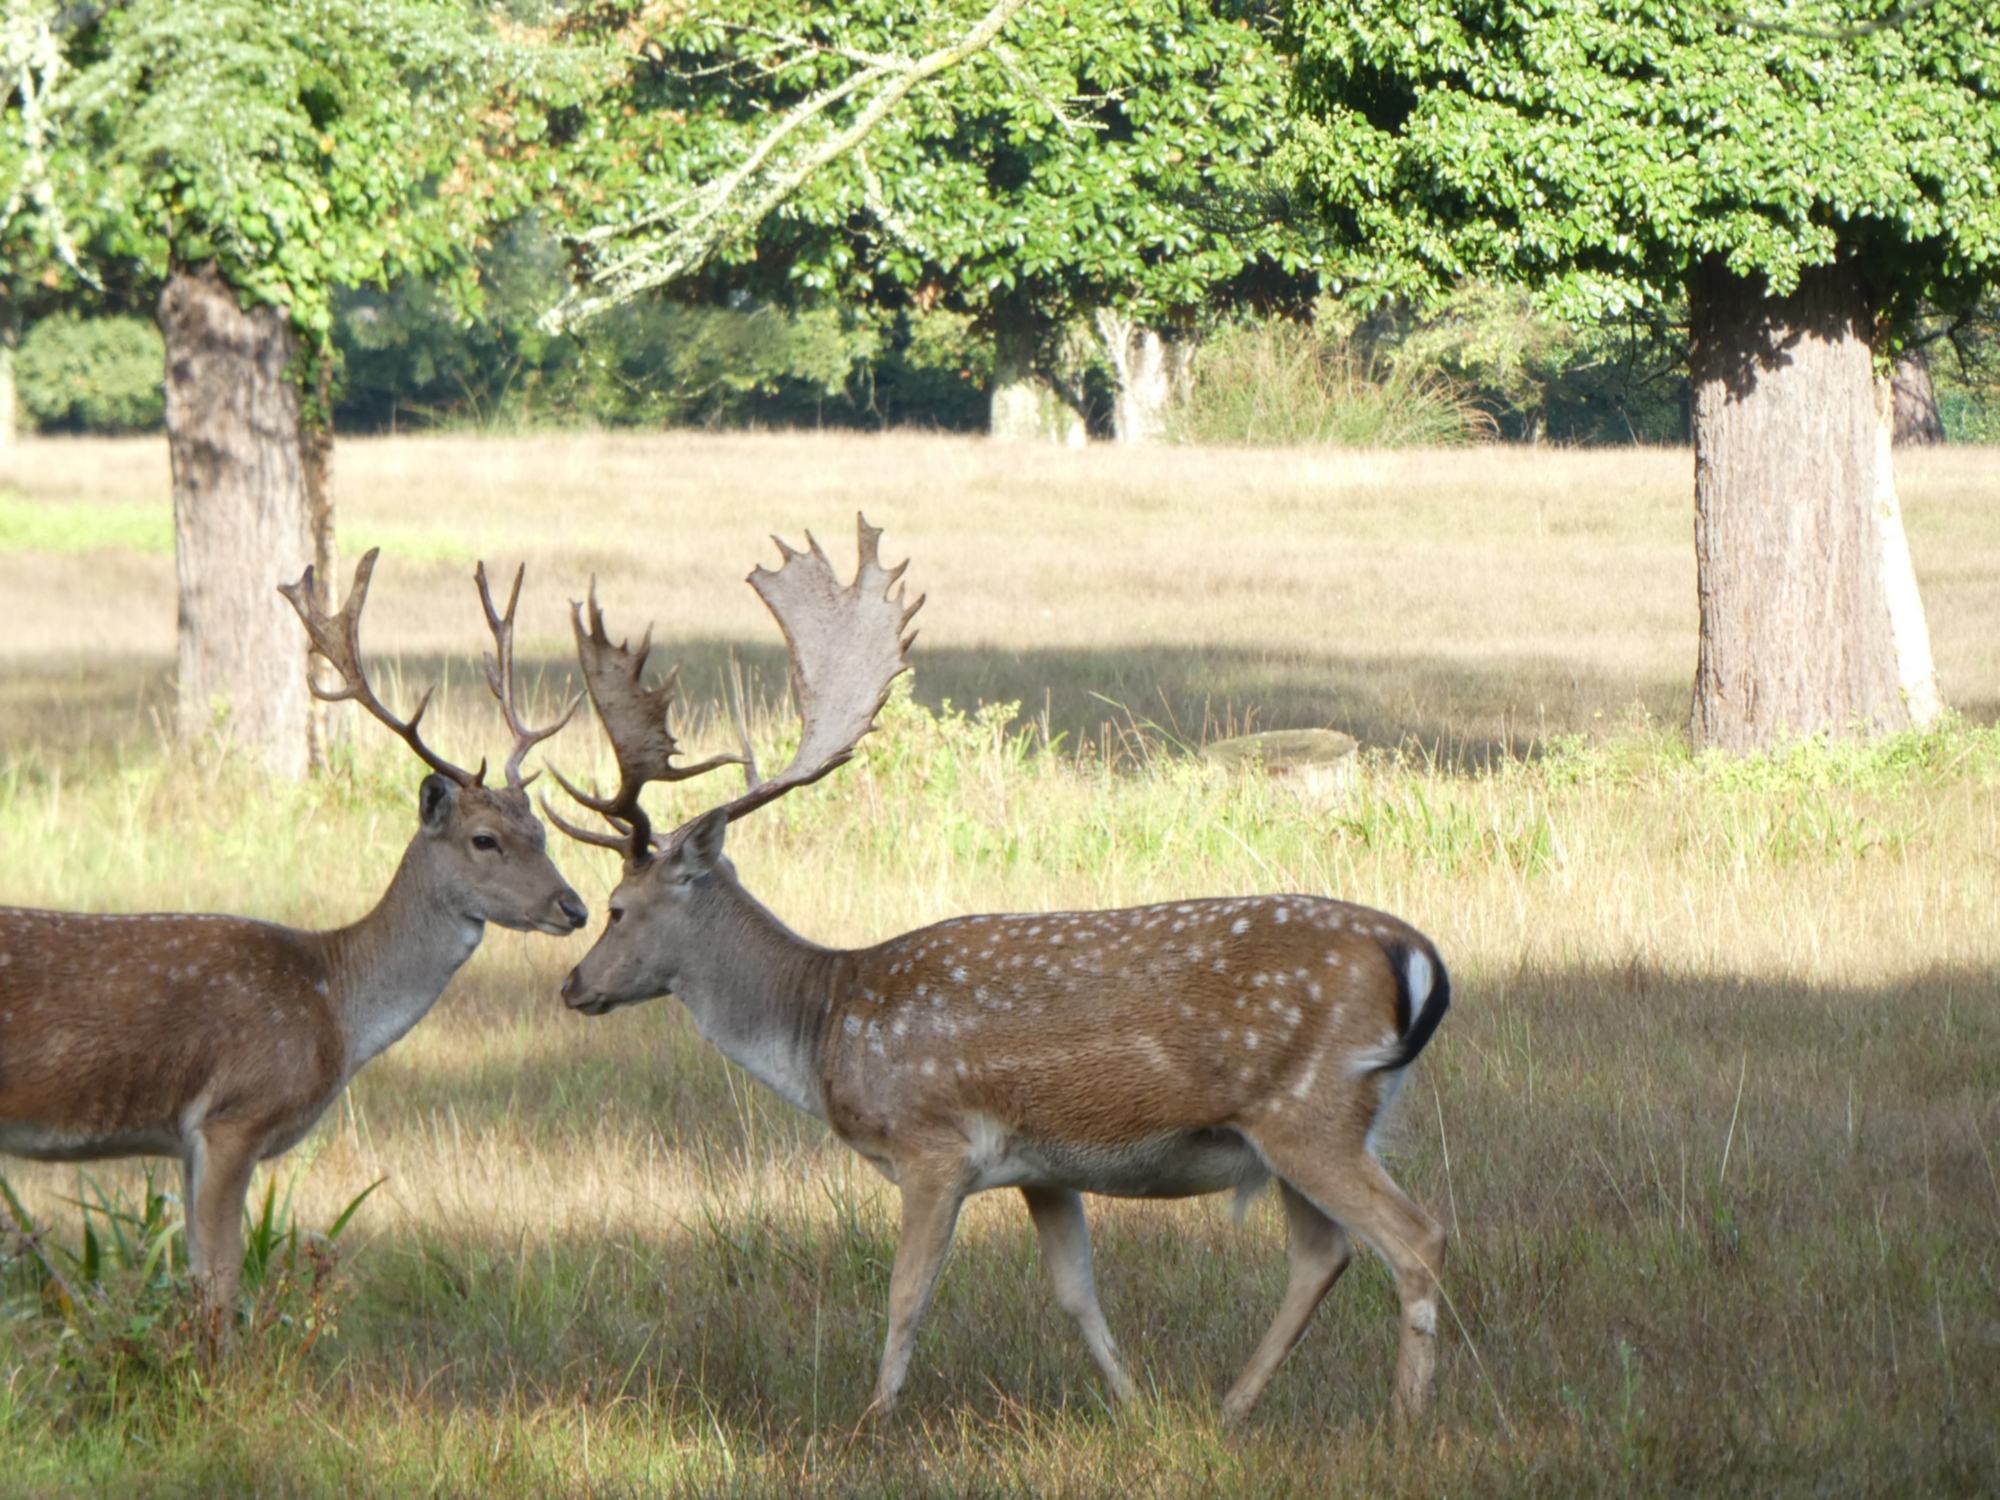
(220, 1040)
(1154, 1052)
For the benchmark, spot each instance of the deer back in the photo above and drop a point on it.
(1114, 1029)
(115, 1029)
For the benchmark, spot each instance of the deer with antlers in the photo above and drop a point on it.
(1154, 1052)
(220, 1040)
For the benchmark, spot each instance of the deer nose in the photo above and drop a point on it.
(569, 989)
(573, 908)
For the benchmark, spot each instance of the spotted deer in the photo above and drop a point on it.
(1153, 1052)
(220, 1040)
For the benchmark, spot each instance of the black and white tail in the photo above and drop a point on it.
(1423, 995)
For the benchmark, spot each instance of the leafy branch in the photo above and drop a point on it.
(670, 242)
(32, 63)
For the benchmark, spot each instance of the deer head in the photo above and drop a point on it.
(847, 645)
(481, 848)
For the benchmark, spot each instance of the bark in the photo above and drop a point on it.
(1916, 420)
(326, 723)
(241, 525)
(1152, 375)
(1791, 540)
(1916, 673)
(1026, 406)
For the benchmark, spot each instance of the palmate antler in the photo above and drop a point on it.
(847, 645)
(338, 640)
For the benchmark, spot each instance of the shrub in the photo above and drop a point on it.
(1278, 383)
(92, 374)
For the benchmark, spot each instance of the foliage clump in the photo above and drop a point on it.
(92, 374)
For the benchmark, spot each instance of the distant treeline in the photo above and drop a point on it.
(1484, 364)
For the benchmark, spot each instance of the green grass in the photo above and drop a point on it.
(66, 528)
(1711, 1127)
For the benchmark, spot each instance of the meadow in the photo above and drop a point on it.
(1711, 1126)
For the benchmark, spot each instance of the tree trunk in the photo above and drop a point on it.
(326, 723)
(1916, 673)
(1151, 372)
(1025, 404)
(1917, 422)
(240, 519)
(1790, 537)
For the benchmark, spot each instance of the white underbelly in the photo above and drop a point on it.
(1183, 1165)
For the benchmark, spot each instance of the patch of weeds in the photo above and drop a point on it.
(112, 1324)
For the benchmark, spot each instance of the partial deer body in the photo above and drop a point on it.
(220, 1040)
(1155, 1052)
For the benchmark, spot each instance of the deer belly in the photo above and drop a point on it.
(39, 1142)
(1184, 1164)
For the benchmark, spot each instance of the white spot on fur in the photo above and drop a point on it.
(852, 1026)
(1240, 925)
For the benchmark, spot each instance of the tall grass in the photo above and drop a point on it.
(1710, 1126)
(1280, 384)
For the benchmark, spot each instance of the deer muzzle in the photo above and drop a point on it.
(577, 999)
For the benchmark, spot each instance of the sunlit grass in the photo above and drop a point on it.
(1710, 1126)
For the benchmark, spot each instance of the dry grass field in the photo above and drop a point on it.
(1712, 1125)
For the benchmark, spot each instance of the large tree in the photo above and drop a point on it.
(235, 162)
(1033, 165)
(1808, 173)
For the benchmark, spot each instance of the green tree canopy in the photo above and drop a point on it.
(299, 145)
(1011, 161)
(1811, 173)
(1603, 150)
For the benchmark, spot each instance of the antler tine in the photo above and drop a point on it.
(634, 717)
(338, 640)
(500, 677)
(847, 646)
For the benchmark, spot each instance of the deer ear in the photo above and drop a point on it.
(703, 845)
(434, 802)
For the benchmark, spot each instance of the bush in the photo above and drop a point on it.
(1279, 383)
(92, 374)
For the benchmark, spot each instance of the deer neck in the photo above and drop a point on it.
(761, 994)
(390, 967)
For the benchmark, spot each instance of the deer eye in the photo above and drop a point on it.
(617, 914)
(485, 841)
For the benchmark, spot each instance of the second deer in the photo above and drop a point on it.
(221, 1040)
(1154, 1052)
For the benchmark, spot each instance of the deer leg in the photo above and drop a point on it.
(219, 1168)
(1359, 1195)
(1065, 1237)
(1319, 1253)
(930, 1213)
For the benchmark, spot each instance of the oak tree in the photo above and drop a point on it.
(1808, 173)
(237, 161)
(1032, 165)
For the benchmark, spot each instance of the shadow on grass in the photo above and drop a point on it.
(1705, 1232)
(1462, 714)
